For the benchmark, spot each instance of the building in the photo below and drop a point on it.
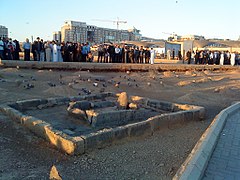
(3, 32)
(57, 36)
(74, 31)
(192, 37)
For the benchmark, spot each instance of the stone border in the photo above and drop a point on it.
(197, 161)
(81, 144)
(115, 67)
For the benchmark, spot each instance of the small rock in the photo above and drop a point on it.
(217, 90)
(133, 106)
(128, 72)
(149, 84)
(54, 174)
(51, 84)
(123, 100)
(95, 84)
(161, 165)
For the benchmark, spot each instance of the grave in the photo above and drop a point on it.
(76, 125)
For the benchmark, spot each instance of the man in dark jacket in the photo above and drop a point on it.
(189, 56)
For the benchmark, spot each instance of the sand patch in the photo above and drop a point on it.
(168, 74)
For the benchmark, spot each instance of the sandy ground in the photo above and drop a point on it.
(24, 156)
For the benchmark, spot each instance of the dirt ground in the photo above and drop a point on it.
(25, 156)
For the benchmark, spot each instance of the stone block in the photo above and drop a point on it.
(103, 104)
(98, 139)
(176, 119)
(120, 132)
(62, 100)
(76, 98)
(55, 138)
(188, 116)
(159, 122)
(138, 129)
(80, 145)
(30, 104)
(198, 113)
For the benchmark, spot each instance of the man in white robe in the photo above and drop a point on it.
(222, 58)
(152, 56)
(55, 52)
(233, 57)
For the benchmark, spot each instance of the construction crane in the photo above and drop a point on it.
(116, 21)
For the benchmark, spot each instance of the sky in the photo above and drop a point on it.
(155, 19)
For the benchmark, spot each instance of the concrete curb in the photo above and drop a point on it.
(112, 66)
(197, 161)
(80, 144)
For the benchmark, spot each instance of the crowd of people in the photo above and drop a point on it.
(54, 51)
(125, 54)
(206, 57)
(216, 57)
(9, 49)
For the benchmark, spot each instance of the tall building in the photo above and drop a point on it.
(57, 36)
(74, 31)
(3, 31)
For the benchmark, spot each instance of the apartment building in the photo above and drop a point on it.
(75, 31)
(3, 31)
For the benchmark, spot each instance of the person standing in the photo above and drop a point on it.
(152, 52)
(136, 54)
(233, 58)
(197, 57)
(173, 54)
(55, 52)
(1, 48)
(17, 50)
(147, 55)
(117, 54)
(39, 47)
(60, 58)
(222, 58)
(168, 54)
(48, 51)
(179, 55)
(84, 52)
(26, 47)
(189, 56)
(11, 49)
(141, 55)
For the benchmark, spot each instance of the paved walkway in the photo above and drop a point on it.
(225, 160)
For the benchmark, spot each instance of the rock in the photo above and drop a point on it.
(217, 90)
(128, 72)
(133, 106)
(95, 84)
(149, 84)
(83, 105)
(78, 113)
(54, 174)
(161, 164)
(123, 100)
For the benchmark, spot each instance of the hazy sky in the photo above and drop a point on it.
(210, 18)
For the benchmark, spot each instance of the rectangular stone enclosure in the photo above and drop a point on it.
(101, 121)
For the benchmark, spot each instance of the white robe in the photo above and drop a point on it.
(55, 53)
(233, 59)
(152, 57)
(60, 59)
(222, 59)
